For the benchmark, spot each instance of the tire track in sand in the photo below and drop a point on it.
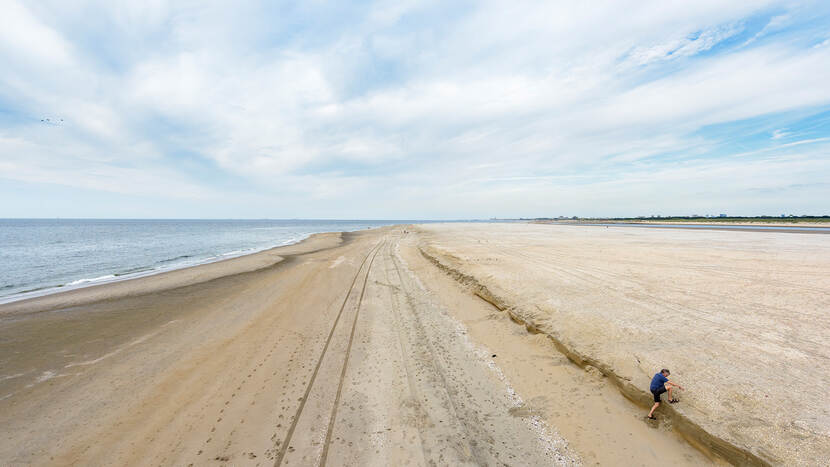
(333, 417)
(473, 452)
(283, 449)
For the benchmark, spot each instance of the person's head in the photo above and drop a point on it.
(665, 372)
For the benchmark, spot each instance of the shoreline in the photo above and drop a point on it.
(154, 281)
(140, 273)
(139, 266)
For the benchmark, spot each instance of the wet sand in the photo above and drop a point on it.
(741, 319)
(352, 349)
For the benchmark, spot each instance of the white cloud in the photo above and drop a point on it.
(778, 134)
(685, 46)
(26, 40)
(397, 101)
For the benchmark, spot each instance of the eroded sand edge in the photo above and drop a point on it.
(691, 430)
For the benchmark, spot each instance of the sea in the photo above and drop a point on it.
(42, 256)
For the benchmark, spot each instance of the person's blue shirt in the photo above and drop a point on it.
(658, 381)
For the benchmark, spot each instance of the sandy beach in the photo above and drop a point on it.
(740, 317)
(450, 344)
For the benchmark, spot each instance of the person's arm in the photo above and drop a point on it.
(674, 384)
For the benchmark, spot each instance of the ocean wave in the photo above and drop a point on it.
(234, 252)
(92, 279)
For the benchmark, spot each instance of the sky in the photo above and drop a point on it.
(413, 110)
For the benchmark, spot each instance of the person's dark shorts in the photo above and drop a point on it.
(657, 393)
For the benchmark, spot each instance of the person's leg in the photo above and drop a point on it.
(656, 395)
(653, 408)
(669, 388)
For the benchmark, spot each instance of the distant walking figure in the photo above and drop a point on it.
(660, 384)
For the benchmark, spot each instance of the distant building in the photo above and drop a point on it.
(721, 215)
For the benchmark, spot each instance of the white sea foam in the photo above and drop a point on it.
(94, 279)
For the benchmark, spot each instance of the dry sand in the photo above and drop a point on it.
(741, 318)
(791, 225)
(358, 349)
